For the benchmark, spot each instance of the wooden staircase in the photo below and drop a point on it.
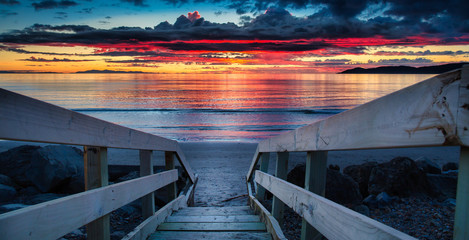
(237, 222)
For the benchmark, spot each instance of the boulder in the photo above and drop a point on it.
(443, 184)
(450, 166)
(361, 175)
(7, 193)
(49, 169)
(428, 166)
(339, 188)
(399, 177)
(5, 180)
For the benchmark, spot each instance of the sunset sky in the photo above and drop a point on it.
(241, 36)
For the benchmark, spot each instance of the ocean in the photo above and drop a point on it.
(209, 107)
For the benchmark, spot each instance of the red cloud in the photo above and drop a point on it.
(193, 16)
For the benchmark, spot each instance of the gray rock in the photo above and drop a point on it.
(49, 169)
(7, 193)
(361, 175)
(370, 201)
(399, 177)
(445, 185)
(340, 188)
(5, 180)
(383, 199)
(428, 166)
(11, 207)
(450, 166)
(44, 197)
(362, 209)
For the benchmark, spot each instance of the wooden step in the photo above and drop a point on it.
(226, 218)
(214, 211)
(174, 235)
(225, 227)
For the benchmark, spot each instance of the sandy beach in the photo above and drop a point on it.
(222, 166)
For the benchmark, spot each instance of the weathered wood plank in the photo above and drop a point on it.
(331, 219)
(27, 119)
(182, 160)
(416, 116)
(250, 226)
(461, 218)
(265, 159)
(222, 218)
(176, 235)
(96, 176)
(281, 168)
(146, 168)
(53, 219)
(315, 182)
(271, 223)
(463, 107)
(171, 189)
(214, 211)
(252, 168)
(147, 227)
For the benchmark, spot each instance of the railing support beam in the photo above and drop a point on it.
(315, 181)
(281, 169)
(265, 157)
(461, 218)
(96, 176)
(171, 189)
(146, 168)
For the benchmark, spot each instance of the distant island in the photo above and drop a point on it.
(405, 69)
(108, 71)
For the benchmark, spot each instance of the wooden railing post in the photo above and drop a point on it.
(461, 218)
(315, 182)
(146, 168)
(171, 189)
(281, 168)
(265, 157)
(96, 175)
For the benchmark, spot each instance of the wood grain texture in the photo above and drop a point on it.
(171, 189)
(96, 176)
(146, 168)
(26, 119)
(461, 215)
(315, 182)
(420, 115)
(271, 223)
(463, 107)
(147, 227)
(176, 235)
(264, 167)
(53, 219)
(281, 168)
(185, 165)
(252, 168)
(331, 219)
(222, 218)
(214, 211)
(225, 227)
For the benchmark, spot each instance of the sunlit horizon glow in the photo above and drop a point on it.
(330, 39)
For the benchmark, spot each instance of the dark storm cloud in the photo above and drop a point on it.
(34, 59)
(274, 30)
(9, 2)
(139, 3)
(51, 4)
(422, 53)
(402, 61)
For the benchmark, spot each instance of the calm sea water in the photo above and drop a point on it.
(202, 107)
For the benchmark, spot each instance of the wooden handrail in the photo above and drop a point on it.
(432, 113)
(27, 119)
(429, 113)
(69, 213)
(334, 221)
